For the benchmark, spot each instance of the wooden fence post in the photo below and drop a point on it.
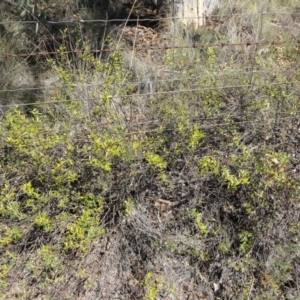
(192, 13)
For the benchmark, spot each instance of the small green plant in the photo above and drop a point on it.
(198, 219)
(9, 235)
(209, 164)
(234, 181)
(224, 246)
(156, 160)
(153, 284)
(83, 231)
(42, 220)
(245, 240)
(195, 137)
(127, 207)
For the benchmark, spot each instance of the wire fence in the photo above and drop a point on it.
(172, 79)
(154, 94)
(137, 82)
(80, 51)
(106, 21)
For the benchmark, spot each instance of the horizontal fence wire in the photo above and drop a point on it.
(79, 20)
(152, 48)
(153, 93)
(138, 82)
(212, 45)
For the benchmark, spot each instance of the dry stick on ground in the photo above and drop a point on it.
(251, 288)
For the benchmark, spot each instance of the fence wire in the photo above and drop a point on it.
(213, 45)
(106, 21)
(154, 93)
(255, 42)
(138, 82)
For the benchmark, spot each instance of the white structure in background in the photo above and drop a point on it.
(192, 12)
